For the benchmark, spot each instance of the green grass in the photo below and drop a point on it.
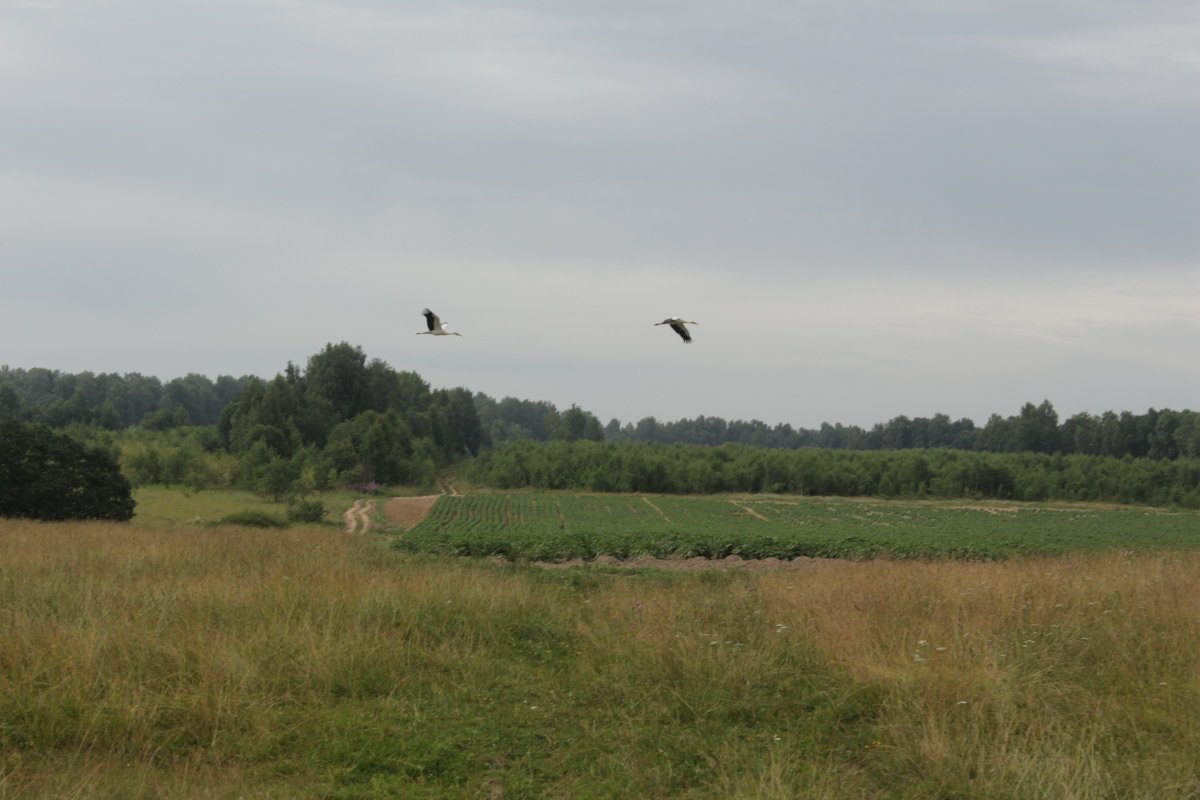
(165, 505)
(225, 663)
(559, 526)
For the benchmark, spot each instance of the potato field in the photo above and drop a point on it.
(551, 526)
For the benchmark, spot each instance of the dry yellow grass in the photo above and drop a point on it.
(220, 663)
(1064, 677)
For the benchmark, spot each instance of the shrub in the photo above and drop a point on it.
(48, 475)
(254, 519)
(301, 510)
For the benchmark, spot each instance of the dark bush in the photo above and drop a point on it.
(301, 510)
(254, 519)
(48, 475)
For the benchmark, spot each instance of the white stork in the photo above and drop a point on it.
(680, 326)
(435, 326)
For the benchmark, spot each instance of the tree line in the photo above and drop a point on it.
(117, 402)
(1158, 434)
(1035, 429)
(113, 401)
(345, 420)
(934, 473)
(512, 419)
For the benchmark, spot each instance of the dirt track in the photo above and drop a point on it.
(358, 516)
(401, 512)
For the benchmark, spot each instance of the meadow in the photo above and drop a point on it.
(180, 661)
(556, 526)
(172, 505)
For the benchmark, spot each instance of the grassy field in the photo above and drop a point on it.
(163, 505)
(559, 525)
(187, 662)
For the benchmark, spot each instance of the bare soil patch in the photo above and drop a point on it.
(405, 512)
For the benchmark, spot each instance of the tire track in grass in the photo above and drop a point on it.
(358, 516)
(750, 511)
(656, 508)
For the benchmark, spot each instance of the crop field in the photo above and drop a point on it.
(559, 526)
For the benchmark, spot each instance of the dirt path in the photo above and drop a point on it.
(358, 516)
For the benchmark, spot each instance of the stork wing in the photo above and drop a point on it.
(682, 330)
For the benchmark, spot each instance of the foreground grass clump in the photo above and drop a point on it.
(252, 519)
(185, 662)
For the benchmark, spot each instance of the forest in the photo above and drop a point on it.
(116, 402)
(343, 420)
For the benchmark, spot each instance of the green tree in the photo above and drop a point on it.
(1036, 429)
(997, 436)
(1187, 435)
(1161, 441)
(48, 475)
(276, 479)
(10, 404)
(1080, 434)
(339, 375)
(576, 424)
(456, 425)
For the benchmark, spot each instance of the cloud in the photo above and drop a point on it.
(872, 209)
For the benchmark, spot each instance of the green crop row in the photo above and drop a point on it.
(558, 526)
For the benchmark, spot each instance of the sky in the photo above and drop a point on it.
(870, 208)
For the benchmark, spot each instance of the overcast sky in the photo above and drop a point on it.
(871, 208)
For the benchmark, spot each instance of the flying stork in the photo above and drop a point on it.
(678, 325)
(435, 326)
